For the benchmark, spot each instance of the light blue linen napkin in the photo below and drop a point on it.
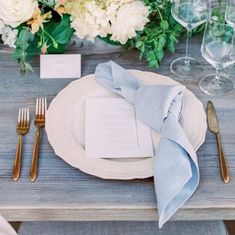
(176, 172)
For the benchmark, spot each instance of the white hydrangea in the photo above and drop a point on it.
(2, 27)
(91, 22)
(8, 34)
(119, 18)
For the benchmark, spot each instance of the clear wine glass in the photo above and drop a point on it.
(230, 13)
(190, 14)
(230, 19)
(219, 50)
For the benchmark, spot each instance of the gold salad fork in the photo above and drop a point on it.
(39, 122)
(21, 129)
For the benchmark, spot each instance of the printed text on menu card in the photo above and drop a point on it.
(112, 130)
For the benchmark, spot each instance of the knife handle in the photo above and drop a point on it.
(223, 163)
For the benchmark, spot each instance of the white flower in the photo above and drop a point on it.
(2, 27)
(119, 18)
(15, 12)
(9, 36)
(92, 22)
(130, 17)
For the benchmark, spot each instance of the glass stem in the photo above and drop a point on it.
(187, 60)
(217, 75)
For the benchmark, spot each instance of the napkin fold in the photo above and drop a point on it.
(5, 227)
(176, 172)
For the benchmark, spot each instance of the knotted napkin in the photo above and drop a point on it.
(176, 173)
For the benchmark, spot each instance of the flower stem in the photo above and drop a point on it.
(159, 13)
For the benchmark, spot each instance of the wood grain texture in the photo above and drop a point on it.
(64, 193)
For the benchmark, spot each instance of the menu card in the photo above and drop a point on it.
(112, 130)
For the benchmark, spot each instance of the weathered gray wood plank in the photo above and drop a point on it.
(64, 193)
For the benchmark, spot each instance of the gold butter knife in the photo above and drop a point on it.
(214, 127)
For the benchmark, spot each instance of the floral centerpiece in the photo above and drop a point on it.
(46, 26)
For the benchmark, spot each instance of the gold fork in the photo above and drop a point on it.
(21, 129)
(39, 122)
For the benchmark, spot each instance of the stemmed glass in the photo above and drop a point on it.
(219, 50)
(230, 13)
(190, 14)
(230, 19)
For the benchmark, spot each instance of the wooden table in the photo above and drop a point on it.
(64, 193)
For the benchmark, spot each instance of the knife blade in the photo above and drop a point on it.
(212, 118)
(214, 127)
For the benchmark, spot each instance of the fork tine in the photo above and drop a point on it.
(22, 118)
(19, 116)
(42, 107)
(27, 118)
(45, 103)
(36, 110)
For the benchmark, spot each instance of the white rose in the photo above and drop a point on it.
(130, 17)
(15, 12)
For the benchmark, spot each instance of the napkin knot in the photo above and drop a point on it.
(153, 104)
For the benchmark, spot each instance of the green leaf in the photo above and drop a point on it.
(63, 32)
(173, 38)
(160, 54)
(164, 24)
(25, 35)
(153, 64)
(109, 40)
(29, 67)
(150, 56)
(171, 47)
(142, 48)
(138, 44)
(161, 41)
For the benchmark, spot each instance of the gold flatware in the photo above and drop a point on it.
(39, 122)
(214, 127)
(21, 129)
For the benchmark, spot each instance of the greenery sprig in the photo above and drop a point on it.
(161, 33)
(53, 35)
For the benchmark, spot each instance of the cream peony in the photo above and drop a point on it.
(15, 12)
(130, 17)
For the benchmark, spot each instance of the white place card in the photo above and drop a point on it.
(60, 66)
(112, 130)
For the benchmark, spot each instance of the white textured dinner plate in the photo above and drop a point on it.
(65, 127)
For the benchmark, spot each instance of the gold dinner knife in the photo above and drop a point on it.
(214, 127)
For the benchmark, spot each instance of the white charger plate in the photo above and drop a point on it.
(65, 127)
